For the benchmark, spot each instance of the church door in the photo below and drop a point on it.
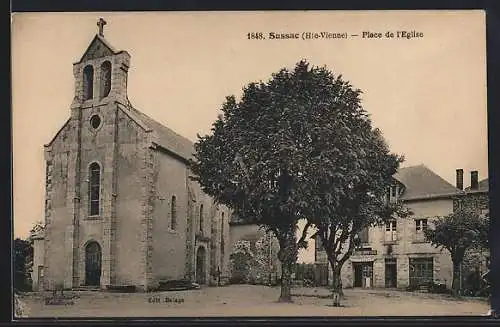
(93, 264)
(200, 266)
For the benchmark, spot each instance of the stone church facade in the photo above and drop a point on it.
(120, 208)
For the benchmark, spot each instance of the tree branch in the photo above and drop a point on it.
(331, 237)
(342, 238)
(348, 253)
(304, 234)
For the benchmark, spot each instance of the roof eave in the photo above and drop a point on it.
(156, 146)
(431, 197)
(475, 191)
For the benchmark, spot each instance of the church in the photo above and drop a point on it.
(120, 208)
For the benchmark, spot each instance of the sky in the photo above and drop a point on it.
(427, 93)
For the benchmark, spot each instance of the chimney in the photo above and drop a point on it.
(474, 180)
(460, 179)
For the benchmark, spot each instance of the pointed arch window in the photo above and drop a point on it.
(201, 217)
(173, 209)
(94, 188)
(88, 82)
(105, 79)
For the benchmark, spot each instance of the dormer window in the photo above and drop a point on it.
(393, 193)
(88, 82)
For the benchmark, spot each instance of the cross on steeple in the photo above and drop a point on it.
(101, 22)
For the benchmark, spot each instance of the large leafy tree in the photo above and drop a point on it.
(297, 147)
(458, 232)
(351, 193)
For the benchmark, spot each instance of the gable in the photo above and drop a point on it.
(98, 48)
(61, 133)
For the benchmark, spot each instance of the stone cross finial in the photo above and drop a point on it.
(101, 22)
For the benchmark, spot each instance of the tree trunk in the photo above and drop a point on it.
(286, 281)
(336, 286)
(288, 256)
(341, 289)
(455, 286)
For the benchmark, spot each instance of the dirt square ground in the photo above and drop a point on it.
(249, 300)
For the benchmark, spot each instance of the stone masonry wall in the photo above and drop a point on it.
(169, 242)
(406, 246)
(134, 176)
(56, 210)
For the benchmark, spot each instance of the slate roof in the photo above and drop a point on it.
(483, 186)
(165, 137)
(422, 183)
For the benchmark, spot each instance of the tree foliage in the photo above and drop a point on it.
(352, 195)
(360, 201)
(458, 232)
(299, 146)
(23, 260)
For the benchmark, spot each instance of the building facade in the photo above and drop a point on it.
(473, 198)
(397, 255)
(120, 207)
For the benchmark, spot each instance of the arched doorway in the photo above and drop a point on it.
(200, 265)
(93, 264)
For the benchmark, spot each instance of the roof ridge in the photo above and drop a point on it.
(414, 166)
(163, 125)
(126, 110)
(164, 136)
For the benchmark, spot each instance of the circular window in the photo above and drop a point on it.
(95, 121)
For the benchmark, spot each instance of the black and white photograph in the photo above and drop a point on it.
(258, 163)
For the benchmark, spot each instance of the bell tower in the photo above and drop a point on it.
(101, 73)
(100, 86)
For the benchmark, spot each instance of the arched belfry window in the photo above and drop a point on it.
(201, 217)
(105, 79)
(173, 221)
(94, 188)
(88, 82)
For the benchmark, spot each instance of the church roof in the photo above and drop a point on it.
(422, 183)
(164, 136)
